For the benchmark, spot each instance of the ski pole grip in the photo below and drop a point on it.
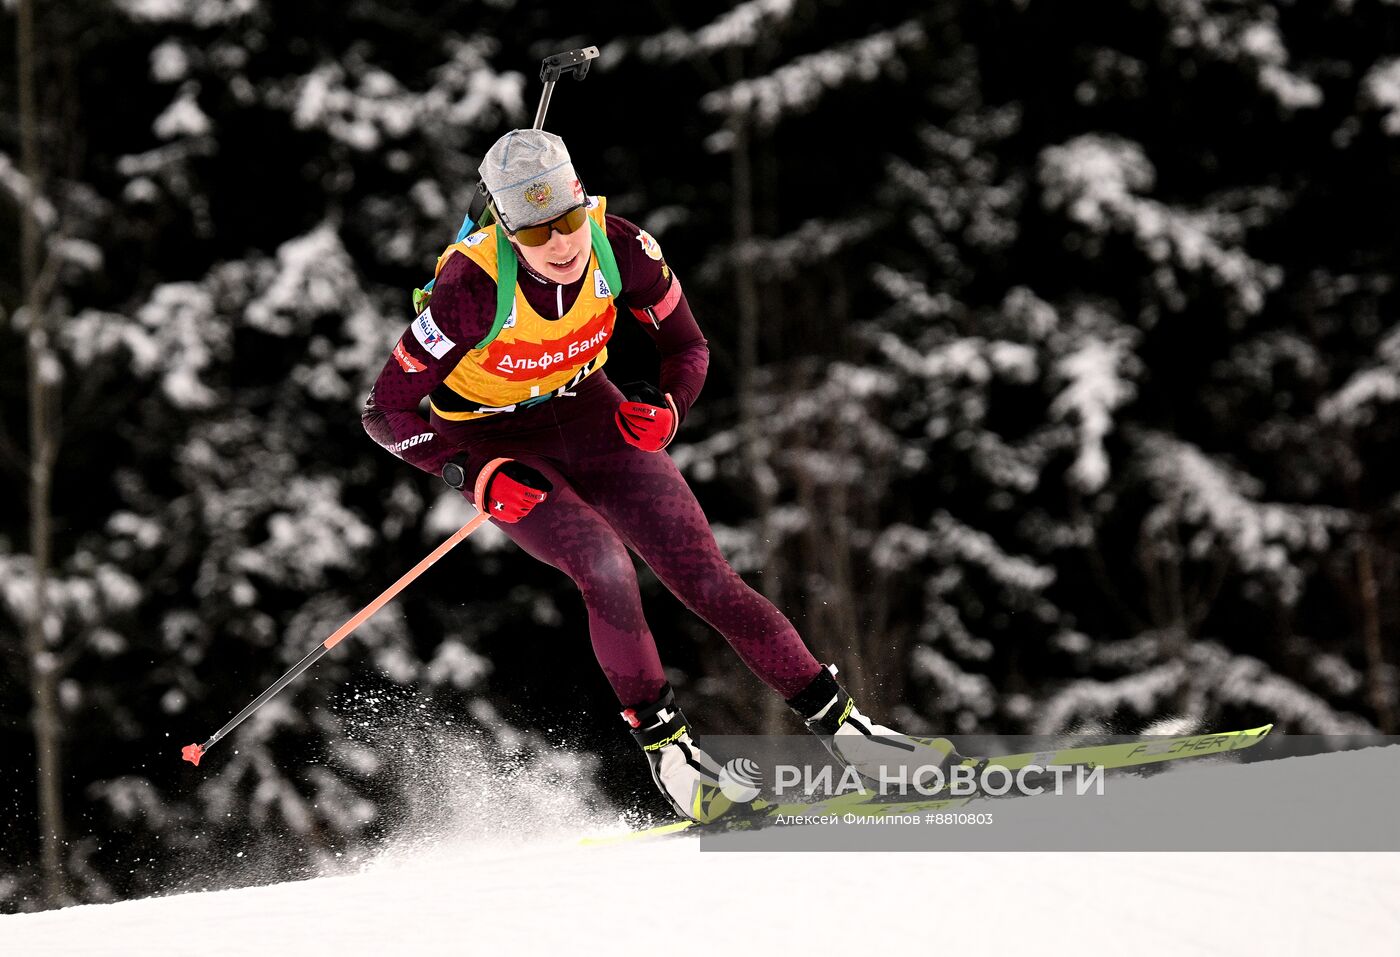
(483, 479)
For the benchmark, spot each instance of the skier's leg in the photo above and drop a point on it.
(566, 532)
(644, 496)
(680, 547)
(569, 534)
(646, 499)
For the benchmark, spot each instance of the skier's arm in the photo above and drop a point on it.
(653, 293)
(461, 312)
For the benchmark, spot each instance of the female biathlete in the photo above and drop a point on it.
(525, 423)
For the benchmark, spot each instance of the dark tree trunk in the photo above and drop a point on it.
(44, 662)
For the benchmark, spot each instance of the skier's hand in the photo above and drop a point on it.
(647, 419)
(515, 488)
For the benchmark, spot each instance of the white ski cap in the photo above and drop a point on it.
(531, 178)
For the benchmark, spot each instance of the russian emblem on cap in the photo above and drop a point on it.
(538, 194)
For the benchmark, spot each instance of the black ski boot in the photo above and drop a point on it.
(686, 776)
(880, 754)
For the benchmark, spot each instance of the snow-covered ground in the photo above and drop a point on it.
(550, 894)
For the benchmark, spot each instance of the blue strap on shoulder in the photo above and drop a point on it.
(468, 227)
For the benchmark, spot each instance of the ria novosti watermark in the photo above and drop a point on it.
(1207, 796)
(740, 780)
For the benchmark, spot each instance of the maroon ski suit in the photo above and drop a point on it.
(608, 495)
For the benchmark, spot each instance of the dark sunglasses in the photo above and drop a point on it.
(539, 233)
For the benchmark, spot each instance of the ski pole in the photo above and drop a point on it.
(193, 752)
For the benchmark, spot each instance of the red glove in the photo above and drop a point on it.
(647, 419)
(513, 489)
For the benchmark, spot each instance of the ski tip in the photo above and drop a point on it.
(192, 753)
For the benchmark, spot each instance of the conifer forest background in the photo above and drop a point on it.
(1055, 362)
